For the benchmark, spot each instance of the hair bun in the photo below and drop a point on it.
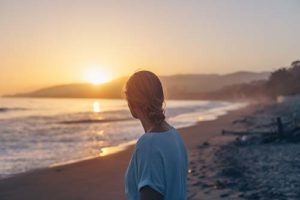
(156, 116)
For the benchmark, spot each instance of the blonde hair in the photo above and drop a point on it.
(144, 89)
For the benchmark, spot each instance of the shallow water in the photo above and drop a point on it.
(36, 133)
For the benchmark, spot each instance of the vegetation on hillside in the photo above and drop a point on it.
(282, 82)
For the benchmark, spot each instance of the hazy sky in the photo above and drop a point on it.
(46, 42)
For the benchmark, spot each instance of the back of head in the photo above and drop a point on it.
(144, 90)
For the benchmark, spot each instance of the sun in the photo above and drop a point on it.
(96, 76)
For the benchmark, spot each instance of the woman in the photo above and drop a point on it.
(158, 166)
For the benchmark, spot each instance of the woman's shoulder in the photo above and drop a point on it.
(152, 138)
(145, 139)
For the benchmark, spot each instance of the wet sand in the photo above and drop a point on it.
(103, 177)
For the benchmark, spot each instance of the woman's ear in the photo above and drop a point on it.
(133, 109)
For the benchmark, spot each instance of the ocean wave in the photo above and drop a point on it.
(57, 131)
(86, 121)
(6, 109)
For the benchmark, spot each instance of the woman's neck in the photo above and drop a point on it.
(152, 127)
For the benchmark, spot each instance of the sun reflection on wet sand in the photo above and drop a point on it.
(105, 151)
(100, 133)
(115, 149)
(96, 107)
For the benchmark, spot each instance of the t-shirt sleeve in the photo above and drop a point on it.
(150, 170)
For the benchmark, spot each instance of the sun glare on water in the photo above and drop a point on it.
(96, 76)
(96, 107)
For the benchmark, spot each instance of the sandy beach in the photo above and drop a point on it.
(102, 177)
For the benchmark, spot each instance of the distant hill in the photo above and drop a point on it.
(184, 86)
(112, 89)
(284, 81)
(180, 86)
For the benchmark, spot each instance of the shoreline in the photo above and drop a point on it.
(209, 115)
(84, 179)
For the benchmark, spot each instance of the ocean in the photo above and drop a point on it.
(44, 132)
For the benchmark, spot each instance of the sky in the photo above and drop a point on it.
(48, 42)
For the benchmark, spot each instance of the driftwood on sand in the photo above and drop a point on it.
(287, 131)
